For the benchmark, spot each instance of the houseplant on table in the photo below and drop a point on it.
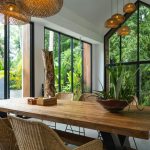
(121, 92)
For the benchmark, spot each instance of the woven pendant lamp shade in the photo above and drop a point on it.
(129, 8)
(41, 8)
(14, 13)
(123, 31)
(111, 23)
(120, 18)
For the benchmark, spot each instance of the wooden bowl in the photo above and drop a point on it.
(113, 105)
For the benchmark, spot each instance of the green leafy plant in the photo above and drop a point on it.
(121, 85)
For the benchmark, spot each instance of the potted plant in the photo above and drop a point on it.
(122, 91)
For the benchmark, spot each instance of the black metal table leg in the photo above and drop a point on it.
(115, 142)
(3, 115)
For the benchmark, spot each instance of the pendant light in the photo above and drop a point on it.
(13, 13)
(119, 17)
(129, 8)
(41, 8)
(123, 31)
(111, 22)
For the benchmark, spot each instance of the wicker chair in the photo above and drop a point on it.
(38, 136)
(88, 97)
(64, 96)
(7, 137)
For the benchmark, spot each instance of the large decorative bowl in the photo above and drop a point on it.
(114, 105)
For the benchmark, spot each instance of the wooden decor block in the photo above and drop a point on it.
(32, 101)
(47, 101)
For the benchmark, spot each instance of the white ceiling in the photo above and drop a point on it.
(94, 12)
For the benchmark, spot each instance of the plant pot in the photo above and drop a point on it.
(114, 105)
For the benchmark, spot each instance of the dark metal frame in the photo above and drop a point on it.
(32, 70)
(137, 63)
(72, 65)
(6, 61)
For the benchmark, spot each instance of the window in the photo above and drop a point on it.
(1, 61)
(72, 62)
(15, 61)
(132, 51)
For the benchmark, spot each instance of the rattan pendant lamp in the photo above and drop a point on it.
(123, 31)
(12, 12)
(129, 7)
(41, 8)
(111, 22)
(119, 17)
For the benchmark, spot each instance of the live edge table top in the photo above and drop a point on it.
(91, 115)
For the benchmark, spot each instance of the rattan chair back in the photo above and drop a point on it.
(88, 97)
(35, 136)
(65, 96)
(7, 137)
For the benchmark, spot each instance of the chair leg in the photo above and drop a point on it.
(99, 135)
(81, 132)
(67, 129)
(135, 143)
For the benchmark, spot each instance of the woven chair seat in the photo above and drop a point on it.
(37, 136)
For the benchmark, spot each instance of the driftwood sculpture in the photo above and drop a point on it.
(49, 86)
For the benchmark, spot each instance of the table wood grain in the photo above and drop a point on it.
(91, 115)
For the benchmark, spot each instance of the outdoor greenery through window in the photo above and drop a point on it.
(72, 62)
(133, 52)
(14, 49)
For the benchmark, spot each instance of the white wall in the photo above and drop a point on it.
(98, 66)
(39, 67)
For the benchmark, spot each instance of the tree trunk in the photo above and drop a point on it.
(49, 86)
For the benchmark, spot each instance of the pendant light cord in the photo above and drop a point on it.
(111, 8)
(117, 7)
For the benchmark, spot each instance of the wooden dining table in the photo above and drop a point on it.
(115, 128)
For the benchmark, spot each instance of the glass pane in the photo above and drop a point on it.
(129, 42)
(87, 67)
(144, 84)
(128, 80)
(1, 60)
(65, 64)
(114, 49)
(15, 61)
(77, 70)
(144, 33)
(51, 43)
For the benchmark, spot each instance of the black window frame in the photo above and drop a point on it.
(6, 61)
(71, 47)
(137, 63)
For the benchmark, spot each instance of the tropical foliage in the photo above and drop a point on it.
(64, 66)
(15, 56)
(133, 51)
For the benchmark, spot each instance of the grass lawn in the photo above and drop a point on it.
(1, 74)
